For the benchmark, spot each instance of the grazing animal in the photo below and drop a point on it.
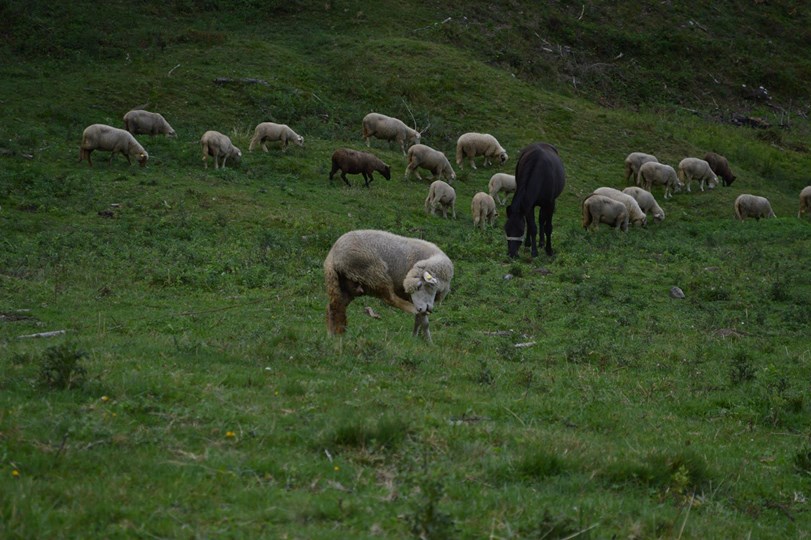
(407, 273)
(441, 195)
(720, 166)
(426, 157)
(483, 208)
(646, 202)
(268, 132)
(635, 213)
(632, 164)
(601, 209)
(353, 162)
(805, 200)
(653, 173)
(113, 140)
(390, 129)
(218, 146)
(501, 182)
(140, 122)
(697, 169)
(539, 179)
(747, 206)
(470, 145)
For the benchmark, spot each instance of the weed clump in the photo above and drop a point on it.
(61, 368)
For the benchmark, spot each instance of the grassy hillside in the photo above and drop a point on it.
(195, 391)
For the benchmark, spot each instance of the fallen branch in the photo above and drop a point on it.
(43, 334)
(245, 80)
(171, 70)
(524, 345)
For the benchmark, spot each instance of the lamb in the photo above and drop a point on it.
(268, 131)
(483, 208)
(217, 145)
(470, 145)
(501, 182)
(388, 128)
(720, 166)
(646, 202)
(141, 122)
(600, 209)
(747, 205)
(697, 169)
(353, 162)
(441, 195)
(652, 172)
(635, 213)
(426, 157)
(407, 273)
(633, 162)
(805, 200)
(110, 139)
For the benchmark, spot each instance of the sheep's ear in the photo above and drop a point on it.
(428, 278)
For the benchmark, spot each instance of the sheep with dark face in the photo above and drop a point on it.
(720, 166)
(141, 122)
(633, 162)
(471, 145)
(747, 206)
(653, 173)
(269, 132)
(113, 140)
(353, 162)
(389, 129)
(217, 145)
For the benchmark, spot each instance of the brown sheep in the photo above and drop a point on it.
(353, 162)
(720, 166)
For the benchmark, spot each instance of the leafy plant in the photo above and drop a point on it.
(61, 368)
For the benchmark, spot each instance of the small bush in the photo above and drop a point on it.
(61, 369)
(742, 369)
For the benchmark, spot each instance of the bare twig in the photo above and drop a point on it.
(409, 112)
(582, 11)
(171, 70)
(687, 515)
(43, 334)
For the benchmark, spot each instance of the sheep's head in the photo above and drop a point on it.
(386, 172)
(712, 182)
(142, 158)
(300, 140)
(658, 217)
(422, 287)
(503, 156)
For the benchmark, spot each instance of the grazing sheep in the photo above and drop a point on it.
(426, 157)
(747, 206)
(720, 166)
(390, 129)
(805, 200)
(268, 132)
(140, 122)
(353, 162)
(652, 172)
(441, 195)
(110, 139)
(407, 273)
(501, 182)
(470, 145)
(483, 208)
(635, 213)
(646, 202)
(600, 209)
(697, 169)
(633, 162)
(217, 145)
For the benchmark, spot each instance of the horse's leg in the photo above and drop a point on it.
(545, 217)
(532, 230)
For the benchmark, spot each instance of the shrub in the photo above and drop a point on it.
(60, 367)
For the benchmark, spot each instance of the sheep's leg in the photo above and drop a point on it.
(473, 162)
(265, 146)
(421, 326)
(388, 295)
(344, 178)
(224, 159)
(453, 209)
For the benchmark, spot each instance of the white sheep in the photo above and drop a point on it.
(653, 173)
(217, 145)
(141, 122)
(269, 132)
(501, 182)
(747, 206)
(600, 209)
(646, 202)
(426, 157)
(633, 162)
(389, 129)
(110, 139)
(635, 213)
(805, 200)
(483, 208)
(471, 145)
(441, 195)
(697, 169)
(407, 273)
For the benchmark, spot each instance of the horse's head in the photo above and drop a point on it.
(514, 228)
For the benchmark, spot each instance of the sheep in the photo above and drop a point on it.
(720, 166)
(483, 208)
(141, 122)
(407, 273)
(353, 162)
(601, 209)
(268, 131)
(217, 145)
(426, 157)
(388, 128)
(110, 139)
(697, 169)
(635, 213)
(747, 205)
(652, 172)
(646, 202)
(501, 182)
(470, 145)
(633, 162)
(805, 200)
(441, 195)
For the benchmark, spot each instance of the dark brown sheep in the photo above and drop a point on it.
(720, 166)
(353, 162)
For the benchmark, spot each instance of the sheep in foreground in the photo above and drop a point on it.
(390, 129)
(407, 273)
(501, 182)
(426, 157)
(483, 208)
(805, 201)
(696, 169)
(601, 209)
(471, 145)
(635, 213)
(747, 206)
(720, 166)
(110, 139)
(646, 202)
(218, 146)
(653, 173)
(269, 132)
(141, 122)
(633, 162)
(441, 195)
(353, 162)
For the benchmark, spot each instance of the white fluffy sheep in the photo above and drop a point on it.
(652, 173)
(270, 132)
(501, 182)
(697, 169)
(441, 195)
(389, 129)
(635, 213)
(747, 206)
(805, 200)
(601, 209)
(407, 273)
(426, 157)
(217, 145)
(471, 145)
(110, 139)
(646, 202)
(141, 122)
(633, 162)
(483, 208)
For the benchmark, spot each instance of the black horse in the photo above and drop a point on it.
(539, 179)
